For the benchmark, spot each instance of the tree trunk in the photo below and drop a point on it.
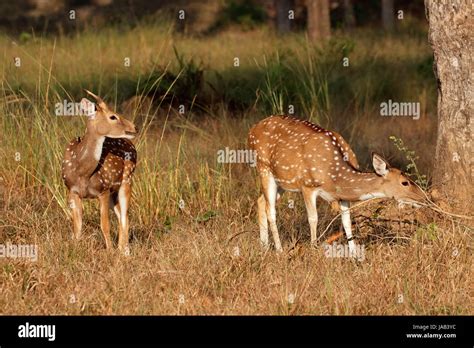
(451, 34)
(349, 18)
(388, 15)
(319, 23)
(325, 19)
(282, 11)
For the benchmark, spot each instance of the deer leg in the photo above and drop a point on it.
(346, 223)
(310, 196)
(124, 203)
(270, 192)
(263, 222)
(75, 203)
(114, 204)
(104, 218)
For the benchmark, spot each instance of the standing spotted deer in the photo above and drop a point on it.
(100, 165)
(295, 155)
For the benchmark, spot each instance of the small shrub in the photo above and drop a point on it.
(411, 168)
(244, 13)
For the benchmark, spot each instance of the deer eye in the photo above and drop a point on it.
(113, 117)
(405, 183)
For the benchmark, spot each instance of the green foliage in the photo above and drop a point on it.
(411, 168)
(305, 79)
(429, 232)
(208, 215)
(244, 13)
(296, 80)
(274, 93)
(235, 88)
(425, 67)
(164, 85)
(25, 37)
(274, 72)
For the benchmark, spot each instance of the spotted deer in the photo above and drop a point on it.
(100, 165)
(296, 155)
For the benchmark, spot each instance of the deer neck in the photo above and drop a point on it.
(359, 187)
(89, 152)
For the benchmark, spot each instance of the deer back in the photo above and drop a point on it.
(299, 153)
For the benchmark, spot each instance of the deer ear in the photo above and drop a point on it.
(381, 166)
(88, 108)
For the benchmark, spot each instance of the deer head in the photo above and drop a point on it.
(103, 121)
(395, 184)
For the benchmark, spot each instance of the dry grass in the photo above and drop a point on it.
(197, 262)
(205, 258)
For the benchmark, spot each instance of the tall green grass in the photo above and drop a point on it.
(273, 73)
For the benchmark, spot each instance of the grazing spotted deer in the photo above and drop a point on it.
(296, 155)
(100, 165)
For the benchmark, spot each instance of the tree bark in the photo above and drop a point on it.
(282, 11)
(388, 15)
(451, 34)
(319, 22)
(349, 18)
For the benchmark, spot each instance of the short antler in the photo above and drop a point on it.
(99, 100)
